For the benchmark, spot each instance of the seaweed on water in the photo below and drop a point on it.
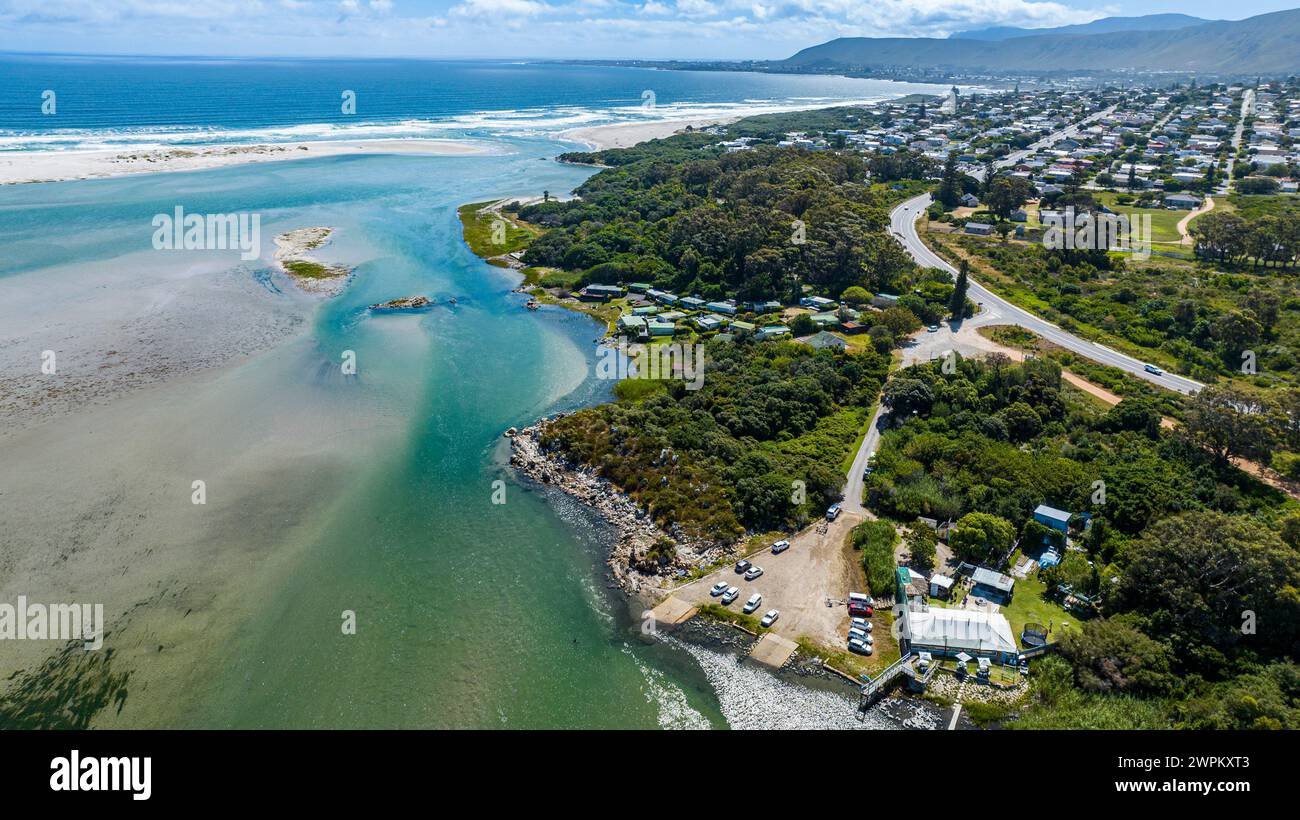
(66, 692)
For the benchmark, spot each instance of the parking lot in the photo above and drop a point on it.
(797, 582)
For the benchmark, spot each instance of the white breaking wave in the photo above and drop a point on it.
(674, 710)
(548, 121)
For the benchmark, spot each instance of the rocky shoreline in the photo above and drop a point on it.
(637, 532)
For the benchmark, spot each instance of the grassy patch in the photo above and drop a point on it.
(1029, 606)
(308, 269)
(718, 612)
(477, 226)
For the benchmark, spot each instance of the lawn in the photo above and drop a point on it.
(1164, 223)
(1028, 605)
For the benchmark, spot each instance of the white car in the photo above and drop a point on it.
(753, 572)
(859, 635)
(770, 617)
(780, 547)
(754, 602)
(860, 623)
(858, 646)
(730, 595)
(718, 589)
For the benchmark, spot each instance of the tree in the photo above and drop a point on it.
(1229, 422)
(957, 302)
(979, 535)
(949, 187)
(900, 321)
(1112, 656)
(803, 325)
(906, 396)
(1023, 421)
(1007, 194)
(1194, 576)
(1132, 414)
(855, 295)
(922, 543)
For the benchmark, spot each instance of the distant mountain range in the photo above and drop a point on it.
(1265, 44)
(1106, 25)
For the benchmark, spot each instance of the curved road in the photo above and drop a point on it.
(903, 224)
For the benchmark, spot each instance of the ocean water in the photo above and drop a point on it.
(371, 494)
(113, 102)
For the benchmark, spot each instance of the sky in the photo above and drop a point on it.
(547, 29)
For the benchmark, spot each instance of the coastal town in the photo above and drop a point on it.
(375, 369)
(964, 623)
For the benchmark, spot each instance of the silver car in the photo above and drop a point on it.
(753, 572)
(770, 617)
(858, 646)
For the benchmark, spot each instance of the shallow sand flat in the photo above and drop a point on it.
(55, 166)
(121, 324)
(98, 508)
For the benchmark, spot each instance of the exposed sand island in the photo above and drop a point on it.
(54, 166)
(311, 275)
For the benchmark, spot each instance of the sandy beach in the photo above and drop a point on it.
(627, 134)
(58, 166)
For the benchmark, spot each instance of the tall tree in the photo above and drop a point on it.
(949, 188)
(957, 303)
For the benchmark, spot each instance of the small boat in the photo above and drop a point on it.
(533, 304)
(452, 300)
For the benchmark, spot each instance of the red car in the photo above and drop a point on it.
(860, 605)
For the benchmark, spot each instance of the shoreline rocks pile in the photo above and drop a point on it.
(637, 532)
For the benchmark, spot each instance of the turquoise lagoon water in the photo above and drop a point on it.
(469, 614)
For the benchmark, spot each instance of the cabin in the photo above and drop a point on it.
(707, 323)
(600, 293)
(772, 331)
(658, 327)
(691, 302)
(979, 228)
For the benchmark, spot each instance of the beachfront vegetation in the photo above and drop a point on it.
(758, 447)
(1180, 545)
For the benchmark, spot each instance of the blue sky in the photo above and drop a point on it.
(687, 29)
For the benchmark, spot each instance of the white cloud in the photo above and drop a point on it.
(492, 10)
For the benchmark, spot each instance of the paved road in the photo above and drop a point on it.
(1247, 104)
(903, 223)
(1046, 142)
(852, 502)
